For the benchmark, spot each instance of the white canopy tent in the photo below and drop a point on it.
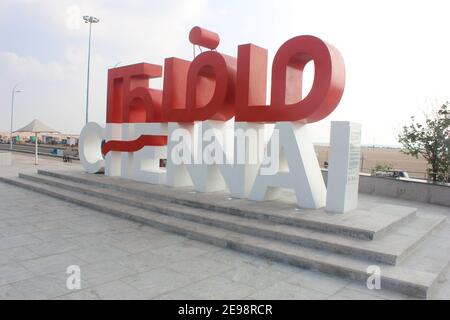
(36, 127)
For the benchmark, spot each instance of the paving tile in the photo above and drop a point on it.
(274, 265)
(179, 251)
(15, 255)
(286, 291)
(144, 231)
(201, 245)
(89, 240)
(213, 288)
(440, 295)
(18, 230)
(93, 227)
(177, 295)
(56, 234)
(120, 259)
(144, 261)
(116, 290)
(130, 233)
(18, 241)
(51, 224)
(441, 290)
(52, 264)
(79, 295)
(352, 294)
(200, 268)
(255, 276)
(42, 287)
(381, 293)
(317, 281)
(34, 219)
(60, 213)
(230, 257)
(10, 222)
(157, 281)
(133, 245)
(53, 247)
(120, 224)
(98, 253)
(13, 272)
(103, 272)
(8, 292)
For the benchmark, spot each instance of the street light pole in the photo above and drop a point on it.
(12, 113)
(90, 20)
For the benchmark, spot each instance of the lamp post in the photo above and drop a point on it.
(90, 20)
(14, 91)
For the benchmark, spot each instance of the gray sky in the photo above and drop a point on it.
(396, 52)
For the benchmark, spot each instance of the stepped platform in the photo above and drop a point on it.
(411, 248)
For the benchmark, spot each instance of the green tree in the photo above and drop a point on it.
(382, 167)
(431, 140)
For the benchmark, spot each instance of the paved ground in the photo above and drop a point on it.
(44, 150)
(40, 237)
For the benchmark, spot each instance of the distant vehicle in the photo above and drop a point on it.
(396, 174)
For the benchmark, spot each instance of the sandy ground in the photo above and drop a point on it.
(392, 157)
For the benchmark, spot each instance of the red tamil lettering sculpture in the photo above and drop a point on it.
(216, 86)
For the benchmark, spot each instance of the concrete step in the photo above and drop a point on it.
(389, 249)
(403, 280)
(368, 222)
(432, 255)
